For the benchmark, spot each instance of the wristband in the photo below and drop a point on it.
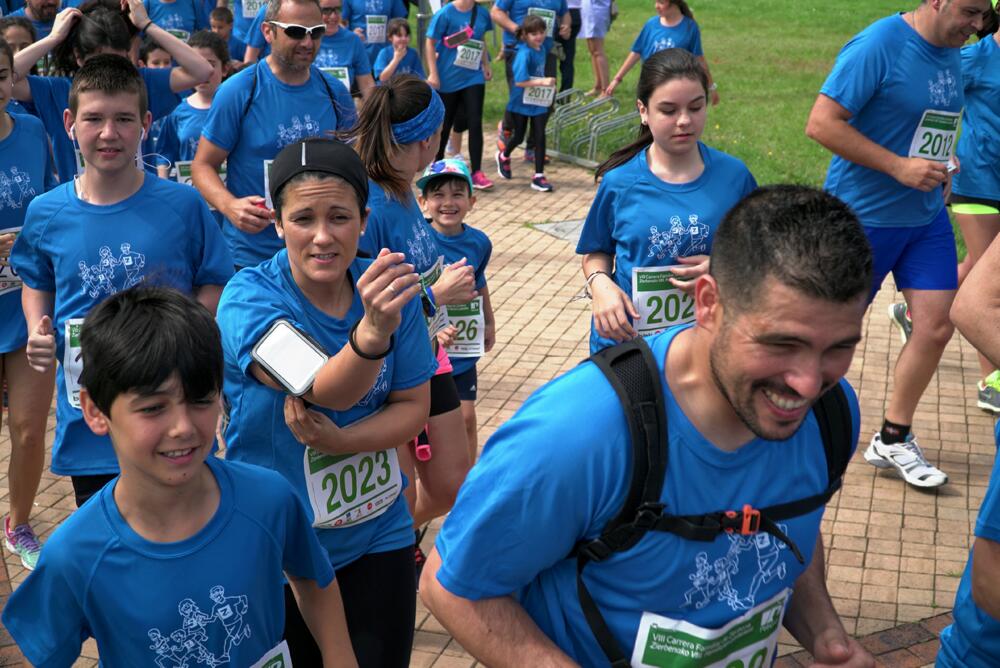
(593, 275)
(144, 29)
(431, 303)
(362, 354)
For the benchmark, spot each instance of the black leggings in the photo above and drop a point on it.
(470, 100)
(551, 63)
(537, 137)
(380, 601)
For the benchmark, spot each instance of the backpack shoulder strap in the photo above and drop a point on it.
(632, 371)
(833, 416)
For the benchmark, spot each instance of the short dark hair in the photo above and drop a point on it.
(206, 39)
(148, 46)
(110, 74)
(438, 182)
(805, 238)
(274, 7)
(397, 26)
(135, 340)
(223, 14)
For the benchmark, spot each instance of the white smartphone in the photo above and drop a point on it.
(291, 357)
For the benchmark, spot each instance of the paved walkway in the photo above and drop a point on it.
(892, 580)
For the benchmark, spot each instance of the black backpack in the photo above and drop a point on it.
(633, 373)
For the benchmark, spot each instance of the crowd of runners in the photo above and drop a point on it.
(235, 249)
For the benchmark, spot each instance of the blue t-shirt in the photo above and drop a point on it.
(448, 21)
(977, 147)
(567, 450)
(655, 37)
(42, 29)
(623, 222)
(528, 64)
(25, 172)
(181, 18)
(82, 252)
(409, 65)
(51, 97)
(180, 133)
(279, 114)
(355, 12)
(475, 246)
(973, 639)
(518, 9)
(237, 48)
(400, 227)
(887, 76)
(217, 595)
(254, 299)
(244, 12)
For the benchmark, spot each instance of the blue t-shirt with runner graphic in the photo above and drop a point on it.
(254, 299)
(357, 13)
(162, 235)
(518, 9)
(409, 65)
(180, 133)
(655, 37)
(558, 471)
(25, 173)
(979, 145)
(50, 96)
(459, 73)
(165, 604)
(623, 220)
(888, 77)
(400, 227)
(181, 18)
(253, 131)
(476, 248)
(973, 639)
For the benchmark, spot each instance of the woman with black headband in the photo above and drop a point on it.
(397, 136)
(370, 395)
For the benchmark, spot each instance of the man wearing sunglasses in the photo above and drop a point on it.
(280, 100)
(341, 53)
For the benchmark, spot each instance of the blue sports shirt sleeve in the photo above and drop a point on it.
(213, 263)
(33, 265)
(222, 126)
(596, 235)
(168, 146)
(858, 73)
(302, 554)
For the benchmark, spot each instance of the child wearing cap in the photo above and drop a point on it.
(446, 196)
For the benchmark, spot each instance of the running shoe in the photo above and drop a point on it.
(900, 316)
(529, 156)
(503, 166)
(908, 460)
(988, 391)
(480, 182)
(22, 541)
(542, 184)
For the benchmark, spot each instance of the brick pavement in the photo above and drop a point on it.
(893, 584)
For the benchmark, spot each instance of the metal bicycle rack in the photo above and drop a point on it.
(578, 123)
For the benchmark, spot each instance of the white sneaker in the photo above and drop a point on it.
(907, 458)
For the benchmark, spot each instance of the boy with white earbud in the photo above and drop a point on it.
(112, 227)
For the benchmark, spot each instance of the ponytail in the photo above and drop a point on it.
(683, 6)
(660, 68)
(398, 100)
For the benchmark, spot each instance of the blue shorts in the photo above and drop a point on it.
(920, 258)
(466, 384)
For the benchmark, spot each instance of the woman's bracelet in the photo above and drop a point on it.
(590, 279)
(431, 303)
(362, 354)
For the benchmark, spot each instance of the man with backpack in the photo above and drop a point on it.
(684, 529)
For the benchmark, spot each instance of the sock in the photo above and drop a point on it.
(894, 433)
(539, 174)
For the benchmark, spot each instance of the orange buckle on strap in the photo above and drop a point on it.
(751, 520)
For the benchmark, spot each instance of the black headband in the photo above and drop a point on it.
(328, 156)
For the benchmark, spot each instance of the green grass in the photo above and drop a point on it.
(769, 57)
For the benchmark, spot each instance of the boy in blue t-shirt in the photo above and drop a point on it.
(221, 23)
(446, 195)
(150, 567)
(398, 57)
(111, 228)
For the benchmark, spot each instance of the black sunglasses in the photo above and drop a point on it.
(326, 11)
(295, 31)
